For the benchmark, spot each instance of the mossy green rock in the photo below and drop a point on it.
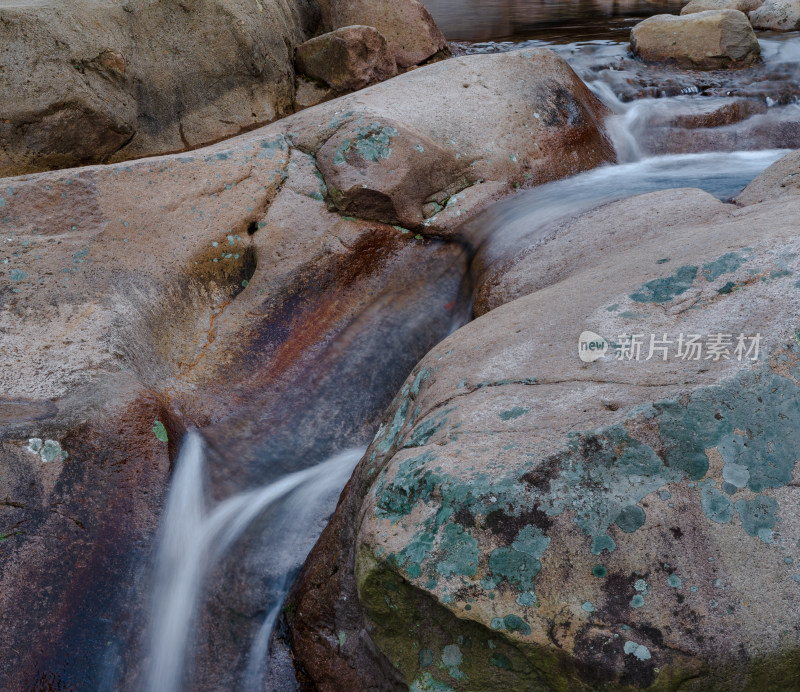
(637, 527)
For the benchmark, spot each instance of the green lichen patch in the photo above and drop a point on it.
(520, 563)
(47, 450)
(715, 505)
(514, 412)
(726, 264)
(459, 553)
(637, 650)
(160, 431)
(758, 516)
(664, 290)
(412, 483)
(371, 142)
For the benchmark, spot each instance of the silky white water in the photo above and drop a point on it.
(194, 537)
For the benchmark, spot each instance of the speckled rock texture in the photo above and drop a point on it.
(527, 520)
(777, 15)
(219, 289)
(703, 5)
(782, 178)
(95, 81)
(346, 59)
(709, 40)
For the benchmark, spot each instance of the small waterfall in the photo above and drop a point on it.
(194, 538)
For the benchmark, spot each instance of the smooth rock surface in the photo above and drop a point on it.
(703, 5)
(526, 520)
(408, 27)
(347, 59)
(708, 40)
(125, 80)
(220, 289)
(778, 15)
(782, 178)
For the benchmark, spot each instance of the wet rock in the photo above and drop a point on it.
(527, 520)
(526, 270)
(777, 128)
(782, 178)
(707, 112)
(346, 59)
(778, 15)
(408, 27)
(707, 40)
(221, 289)
(703, 5)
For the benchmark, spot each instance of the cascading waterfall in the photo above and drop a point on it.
(529, 216)
(195, 537)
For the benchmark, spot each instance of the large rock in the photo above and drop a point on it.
(412, 34)
(704, 5)
(782, 178)
(527, 520)
(707, 40)
(220, 289)
(92, 81)
(347, 59)
(778, 15)
(532, 121)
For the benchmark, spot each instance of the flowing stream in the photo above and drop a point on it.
(195, 537)
(648, 109)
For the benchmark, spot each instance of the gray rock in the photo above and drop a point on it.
(778, 15)
(120, 80)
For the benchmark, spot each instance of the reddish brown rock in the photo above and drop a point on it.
(220, 289)
(346, 59)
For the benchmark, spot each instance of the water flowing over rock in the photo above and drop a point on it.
(222, 289)
(780, 179)
(529, 519)
(712, 39)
